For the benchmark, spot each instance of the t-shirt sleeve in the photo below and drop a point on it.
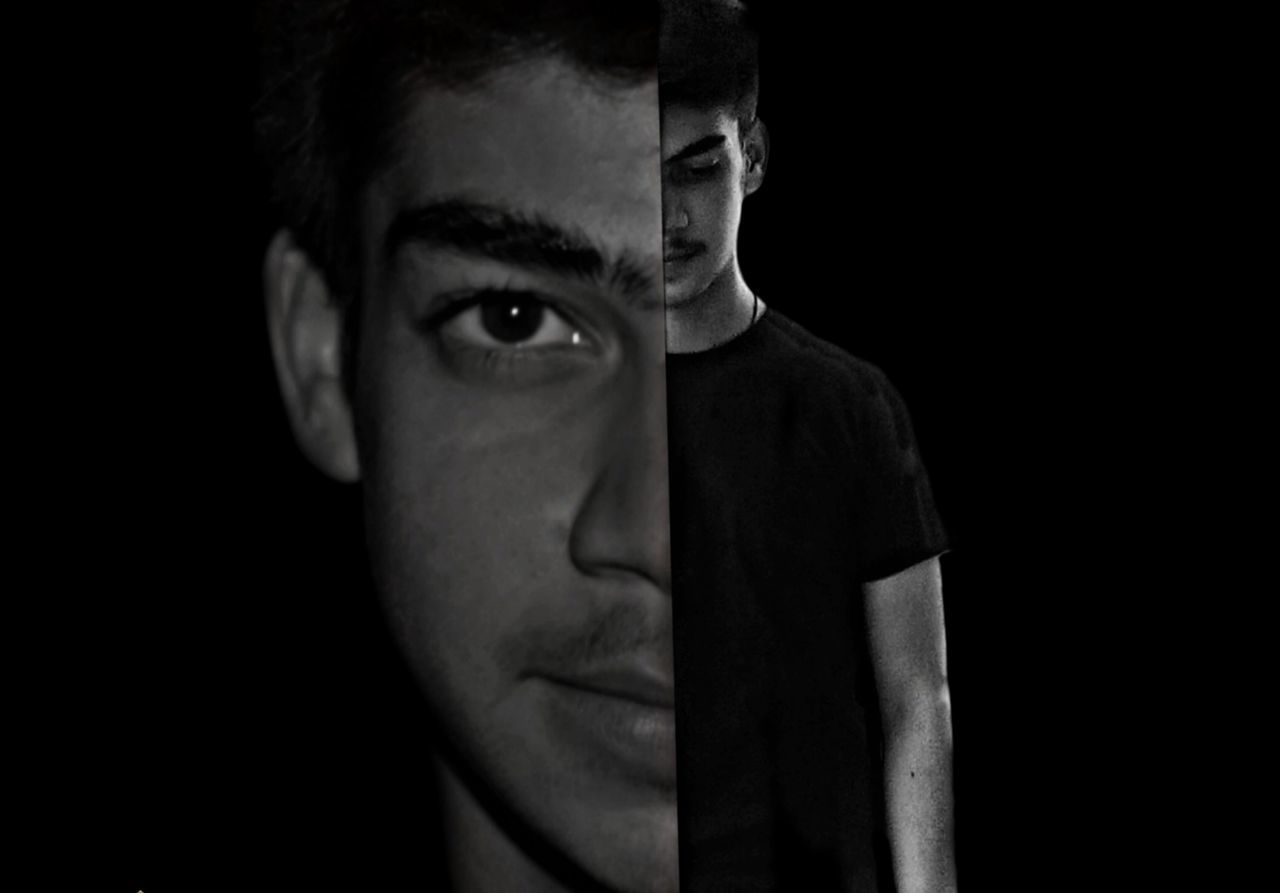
(897, 523)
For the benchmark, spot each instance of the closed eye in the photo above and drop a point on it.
(696, 172)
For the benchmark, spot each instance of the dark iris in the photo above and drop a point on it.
(511, 318)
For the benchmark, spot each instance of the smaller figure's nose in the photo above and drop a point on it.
(674, 217)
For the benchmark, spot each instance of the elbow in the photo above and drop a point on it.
(921, 707)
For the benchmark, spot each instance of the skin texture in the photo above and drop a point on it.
(908, 650)
(707, 300)
(515, 491)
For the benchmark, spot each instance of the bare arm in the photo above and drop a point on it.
(908, 650)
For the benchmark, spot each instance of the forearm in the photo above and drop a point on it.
(918, 790)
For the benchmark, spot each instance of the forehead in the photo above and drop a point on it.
(684, 125)
(539, 137)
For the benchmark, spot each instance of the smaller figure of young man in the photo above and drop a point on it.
(814, 737)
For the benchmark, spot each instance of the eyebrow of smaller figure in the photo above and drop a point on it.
(522, 239)
(697, 147)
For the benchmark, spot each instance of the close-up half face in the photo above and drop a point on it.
(510, 402)
(706, 174)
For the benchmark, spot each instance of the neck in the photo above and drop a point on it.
(721, 313)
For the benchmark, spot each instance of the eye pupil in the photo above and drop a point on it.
(511, 318)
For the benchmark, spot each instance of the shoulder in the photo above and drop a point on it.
(855, 395)
(815, 363)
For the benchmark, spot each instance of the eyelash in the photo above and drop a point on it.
(498, 359)
(700, 172)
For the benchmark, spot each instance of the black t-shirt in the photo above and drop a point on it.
(794, 479)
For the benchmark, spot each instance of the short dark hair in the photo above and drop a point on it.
(336, 76)
(710, 56)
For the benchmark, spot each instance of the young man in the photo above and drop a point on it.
(465, 310)
(814, 744)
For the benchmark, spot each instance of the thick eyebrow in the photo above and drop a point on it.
(697, 147)
(524, 240)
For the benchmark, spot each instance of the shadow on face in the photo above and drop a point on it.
(509, 430)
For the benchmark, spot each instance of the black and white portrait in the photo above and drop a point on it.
(579, 446)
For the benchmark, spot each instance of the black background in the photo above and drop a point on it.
(978, 203)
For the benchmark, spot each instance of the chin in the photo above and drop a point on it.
(622, 835)
(591, 821)
(637, 852)
(681, 292)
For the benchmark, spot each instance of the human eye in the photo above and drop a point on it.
(698, 171)
(506, 331)
(507, 320)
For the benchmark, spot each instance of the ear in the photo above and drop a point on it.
(755, 149)
(305, 325)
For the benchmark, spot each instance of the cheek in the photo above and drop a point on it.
(464, 527)
(466, 550)
(470, 496)
(716, 209)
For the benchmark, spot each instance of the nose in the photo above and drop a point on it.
(622, 528)
(674, 215)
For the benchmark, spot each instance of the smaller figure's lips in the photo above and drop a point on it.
(631, 683)
(679, 252)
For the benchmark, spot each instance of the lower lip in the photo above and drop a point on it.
(638, 739)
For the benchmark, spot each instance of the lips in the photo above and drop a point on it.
(674, 253)
(619, 720)
(633, 683)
